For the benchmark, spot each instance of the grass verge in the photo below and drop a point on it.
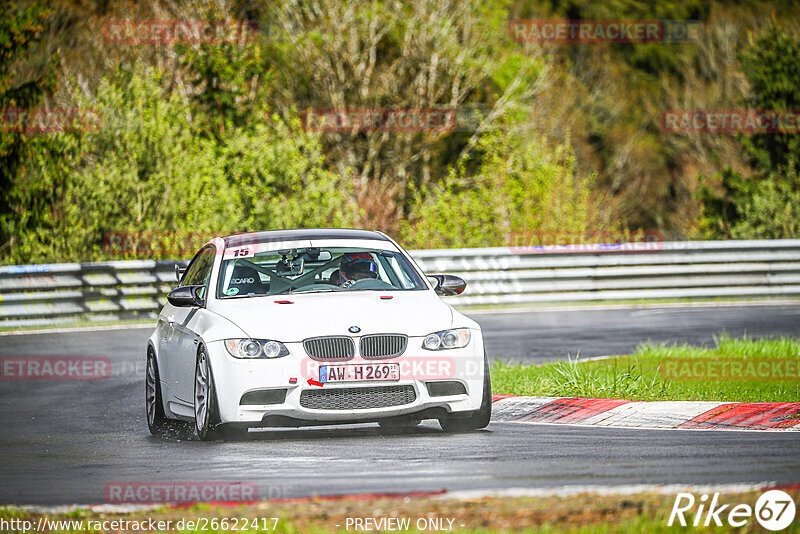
(650, 375)
(587, 513)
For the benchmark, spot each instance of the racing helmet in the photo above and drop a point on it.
(358, 265)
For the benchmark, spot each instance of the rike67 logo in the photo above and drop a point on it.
(774, 510)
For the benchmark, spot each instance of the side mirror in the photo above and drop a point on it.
(448, 285)
(186, 296)
(179, 271)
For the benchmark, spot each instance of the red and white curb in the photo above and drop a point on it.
(694, 415)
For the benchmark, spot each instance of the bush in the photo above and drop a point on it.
(521, 189)
(767, 204)
(148, 170)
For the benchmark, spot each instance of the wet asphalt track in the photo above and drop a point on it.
(62, 442)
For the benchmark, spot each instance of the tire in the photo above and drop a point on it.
(206, 411)
(478, 419)
(207, 424)
(154, 404)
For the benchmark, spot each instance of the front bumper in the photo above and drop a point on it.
(234, 378)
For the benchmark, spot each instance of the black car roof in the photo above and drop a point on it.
(301, 234)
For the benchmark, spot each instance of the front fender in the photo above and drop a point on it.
(211, 327)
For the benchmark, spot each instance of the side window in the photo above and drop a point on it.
(199, 272)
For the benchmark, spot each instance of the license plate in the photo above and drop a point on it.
(359, 372)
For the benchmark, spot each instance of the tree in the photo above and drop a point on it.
(764, 205)
(523, 193)
(227, 78)
(19, 31)
(423, 54)
(772, 66)
(146, 174)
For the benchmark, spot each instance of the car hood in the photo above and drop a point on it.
(292, 318)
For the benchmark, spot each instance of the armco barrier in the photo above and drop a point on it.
(57, 293)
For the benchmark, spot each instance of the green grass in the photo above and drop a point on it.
(585, 513)
(640, 376)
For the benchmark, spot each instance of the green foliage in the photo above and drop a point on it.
(723, 211)
(521, 189)
(146, 171)
(773, 211)
(203, 138)
(227, 78)
(20, 28)
(767, 204)
(772, 65)
(643, 58)
(281, 181)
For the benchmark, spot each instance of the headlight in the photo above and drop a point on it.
(447, 339)
(255, 348)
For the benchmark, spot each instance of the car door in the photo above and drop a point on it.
(184, 356)
(168, 337)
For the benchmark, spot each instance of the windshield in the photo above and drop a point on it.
(302, 270)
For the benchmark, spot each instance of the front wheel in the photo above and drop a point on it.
(156, 418)
(206, 410)
(206, 415)
(478, 419)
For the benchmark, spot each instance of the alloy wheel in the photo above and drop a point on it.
(201, 392)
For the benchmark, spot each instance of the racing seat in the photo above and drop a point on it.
(334, 279)
(246, 280)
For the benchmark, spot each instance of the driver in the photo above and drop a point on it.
(356, 266)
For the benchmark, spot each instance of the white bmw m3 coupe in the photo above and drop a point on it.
(313, 327)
